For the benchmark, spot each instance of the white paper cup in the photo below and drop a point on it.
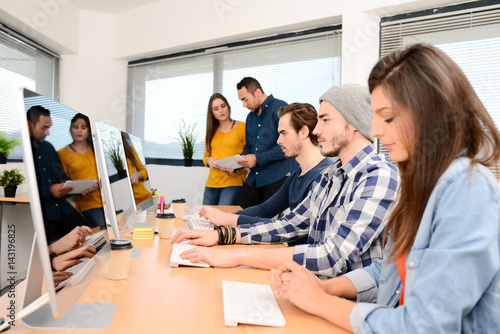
(120, 259)
(178, 205)
(165, 225)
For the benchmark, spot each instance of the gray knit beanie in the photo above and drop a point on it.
(353, 102)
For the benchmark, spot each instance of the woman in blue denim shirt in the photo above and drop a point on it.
(441, 269)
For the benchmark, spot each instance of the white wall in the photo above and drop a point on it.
(179, 182)
(93, 82)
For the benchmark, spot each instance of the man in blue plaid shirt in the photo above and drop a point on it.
(345, 212)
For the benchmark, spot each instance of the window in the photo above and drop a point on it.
(163, 93)
(23, 63)
(470, 36)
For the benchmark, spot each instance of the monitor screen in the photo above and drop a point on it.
(114, 179)
(136, 166)
(39, 154)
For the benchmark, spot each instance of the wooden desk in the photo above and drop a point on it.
(156, 298)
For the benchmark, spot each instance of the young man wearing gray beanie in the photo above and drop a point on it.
(345, 213)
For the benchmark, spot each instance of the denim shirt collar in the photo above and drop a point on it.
(266, 102)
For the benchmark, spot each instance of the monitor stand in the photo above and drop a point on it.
(80, 316)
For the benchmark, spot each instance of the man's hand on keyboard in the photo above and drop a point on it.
(217, 216)
(200, 237)
(60, 276)
(69, 259)
(215, 257)
(72, 240)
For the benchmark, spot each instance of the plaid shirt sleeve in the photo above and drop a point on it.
(355, 237)
(357, 218)
(291, 227)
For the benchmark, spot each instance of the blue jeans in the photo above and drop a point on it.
(95, 217)
(220, 196)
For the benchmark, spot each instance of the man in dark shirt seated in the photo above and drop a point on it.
(296, 138)
(59, 216)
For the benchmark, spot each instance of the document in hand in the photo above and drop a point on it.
(79, 186)
(230, 163)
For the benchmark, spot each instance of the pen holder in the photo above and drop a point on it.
(152, 209)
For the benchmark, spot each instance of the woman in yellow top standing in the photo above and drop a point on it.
(78, 161)
(137, 171)
(225, 137)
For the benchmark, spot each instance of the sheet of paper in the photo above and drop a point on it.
(230, 163)
(79, 186)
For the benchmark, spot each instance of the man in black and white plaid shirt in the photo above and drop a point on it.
(343, 215)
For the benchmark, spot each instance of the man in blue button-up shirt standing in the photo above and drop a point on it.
(264, 157)
(59, 216)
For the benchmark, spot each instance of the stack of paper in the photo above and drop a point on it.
(144, 233)
(230, 163)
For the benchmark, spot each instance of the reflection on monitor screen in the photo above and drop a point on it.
(114, 181)
(136, 166)
(35, 144)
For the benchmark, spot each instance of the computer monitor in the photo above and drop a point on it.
(136, 163)
(114, 179)
(53, 309)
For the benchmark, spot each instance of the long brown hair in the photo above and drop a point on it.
(129, 150)
(212, 122)
(448, 120)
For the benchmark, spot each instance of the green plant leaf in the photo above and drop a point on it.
(12, 177)
(7, 145)
(187, 138)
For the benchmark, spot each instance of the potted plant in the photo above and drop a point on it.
(114, 153)
(6, 147)
(187, 138)
(9, 180)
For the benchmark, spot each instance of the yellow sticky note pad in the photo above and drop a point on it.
(144, 233)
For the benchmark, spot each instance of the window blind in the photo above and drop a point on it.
(23, 63)
(470, 37)
(164, 93)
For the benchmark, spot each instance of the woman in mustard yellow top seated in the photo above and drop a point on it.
(225, 137)
(78, 161)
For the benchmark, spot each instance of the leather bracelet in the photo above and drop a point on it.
(219, 231)
(233, 235)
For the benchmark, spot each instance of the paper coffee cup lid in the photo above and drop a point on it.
(120, 244)
(178, 200)
(165, 215)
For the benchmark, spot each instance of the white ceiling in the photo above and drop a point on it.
(111, 6)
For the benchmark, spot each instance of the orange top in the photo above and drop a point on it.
(141, 194)
(226, 145)
(401, 265)
(82, 166)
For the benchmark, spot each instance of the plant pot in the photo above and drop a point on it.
(122, 174)
(3, 158)
(188, 162)
(10, 191)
